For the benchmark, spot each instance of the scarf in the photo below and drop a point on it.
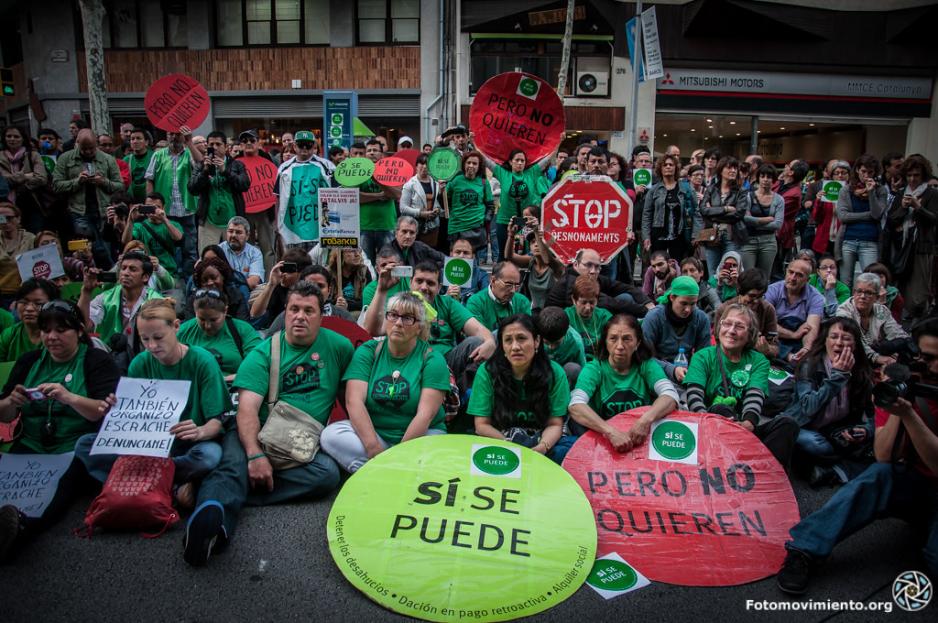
(16, 159)
(674, 320)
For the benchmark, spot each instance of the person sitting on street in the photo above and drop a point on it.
(243, 256)
(585, 316)
(614, 296)
(752, 287)
(269, 301)
(323, 279)
(502, 298)
(726, 281)
(153, 228)
(26, 335)
(214, 273)
(799, 309)
(825, 281)
(883, 339)
(228, 339)
(561, 342)
(660, 274)
(676, 325)
(413, 251)
(708, 300)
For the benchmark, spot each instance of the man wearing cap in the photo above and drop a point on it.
(168, 174)
(263, 222)
(677, 323)
(219, 182)
(405, 142)
(457, 137)
(297, 188)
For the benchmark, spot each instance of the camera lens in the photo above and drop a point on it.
(886, 394)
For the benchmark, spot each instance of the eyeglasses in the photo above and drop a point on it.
(406, 320)
(304, 144)
(27, 303)
(207, 293)
(865, 293)
(591, 265)
(510, 284)
(63, 306)
(733, 325)
(248, 140)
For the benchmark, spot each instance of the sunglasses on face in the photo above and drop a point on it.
(304, 144)
(245, 141)
(207, 293)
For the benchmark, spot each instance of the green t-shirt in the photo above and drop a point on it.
(138, 170)
(482, 401)
(611, 393)
(467, 202)
(208, 394)
(518, 191)
(6, 319)
(377, 215)
(590, 330)
(752, 370)
(841, 289)
(569, 350)
(144, 233)
(725, 292)
(15, 342)
(451, 316)
(309, 375)
(489, 312)
(222, 345)
(394, 385)
(368, 292)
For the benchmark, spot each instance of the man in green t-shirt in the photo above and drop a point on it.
(562, 343)
(378, 212)
(451, 319)
(138, 160)
(220, 183)
(152, 228)
(312, 362)
(501, 299)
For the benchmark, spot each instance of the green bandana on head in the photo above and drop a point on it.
(681, 286)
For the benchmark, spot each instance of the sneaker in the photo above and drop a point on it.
(793, 576)
(11, 525)
(205, 526)
(822, 476)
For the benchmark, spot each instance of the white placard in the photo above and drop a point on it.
(29, 481)
(140, 421)
(613, 577)
(41, 263)
(651, 46)
(339, 225)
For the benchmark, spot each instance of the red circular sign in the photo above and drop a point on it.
(263, 173)
(516, 111)
(717, 513)
(42, 270)
(410, 155)
(581, 213)
(393, 171)
(176, 100)
(356, 334)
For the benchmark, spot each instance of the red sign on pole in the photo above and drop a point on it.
(581, 213)
(176, 100)
(701, 503)
(516, 111)
(263, 173)
(392, 171)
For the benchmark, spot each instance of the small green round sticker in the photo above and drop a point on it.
(353, 172)
(832, 190)
(673, 440)
(443, 163)
(458, 271)
(641, 177)
(337, 118)
(528, 87)
(612, 575)
(495, 460)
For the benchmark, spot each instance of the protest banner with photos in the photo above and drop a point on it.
(139, 423)
(339, 223)
(40, 263)
(29, 481)
(720, 522)
(458, 527)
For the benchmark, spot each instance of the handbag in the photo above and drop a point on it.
(290, 436)
(707, 237)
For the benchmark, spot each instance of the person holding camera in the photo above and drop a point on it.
(112, 311)
(902, 483)
(154, 229)
(882, 337)
(833, 405)
(543, 267)
(270, 299)
(219, 182)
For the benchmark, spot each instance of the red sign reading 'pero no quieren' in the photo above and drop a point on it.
(701, 503)
(516, 111)
(260, 195)
(176, 100)
(393, 171)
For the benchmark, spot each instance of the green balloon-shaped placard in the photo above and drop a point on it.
(353, 172)
(443, 163)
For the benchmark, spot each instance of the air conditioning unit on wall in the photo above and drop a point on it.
(592, 77)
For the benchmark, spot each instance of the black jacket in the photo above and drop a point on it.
(237, 181)
(561, 292)
(419, 252)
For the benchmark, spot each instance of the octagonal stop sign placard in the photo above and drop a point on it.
(701, 503)
(583, 213)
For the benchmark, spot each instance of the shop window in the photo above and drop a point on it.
(271, 22)
(388, 21)
(490, 57)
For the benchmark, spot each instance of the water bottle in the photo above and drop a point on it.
(680, 361)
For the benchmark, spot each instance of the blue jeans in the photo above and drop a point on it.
(189, 253)
(815, 445)
(882, 490)
(228, 484)
(372, 241)
(863, 251)
(715, 253)
(193, 461)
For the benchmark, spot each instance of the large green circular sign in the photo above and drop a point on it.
(443, 163)
(353, 172)
(832, 190)
(457, 271)
(458, 527)
(641, 177)
(673, 440)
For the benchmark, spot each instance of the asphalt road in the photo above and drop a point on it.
(279, 569)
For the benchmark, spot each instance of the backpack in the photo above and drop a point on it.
(136, 496)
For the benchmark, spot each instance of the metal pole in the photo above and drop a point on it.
(636, 67)
(754, 139)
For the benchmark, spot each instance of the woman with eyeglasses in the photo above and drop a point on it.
(520, 394)
(394, 387)
(833, 405)
(881, 336)
(732, 379)
(195, 450)
(752, 287)
(586, 317)
(216, 274)
(227, 339)
(13, 241)
(623, 376)
(60, 394)
(824, 280)
(25, 335)
(723, 208)
(420, 198)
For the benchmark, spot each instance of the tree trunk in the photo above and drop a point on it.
(92, 18)
(567, 44)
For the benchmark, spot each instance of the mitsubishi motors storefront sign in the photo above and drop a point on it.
(584, 213)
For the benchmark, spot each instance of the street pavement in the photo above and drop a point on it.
(279, 569)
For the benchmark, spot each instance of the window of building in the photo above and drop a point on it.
(388, 21)
(271, 22)
(142, 24)
(490, 57)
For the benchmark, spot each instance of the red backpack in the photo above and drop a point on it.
(137, 496)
